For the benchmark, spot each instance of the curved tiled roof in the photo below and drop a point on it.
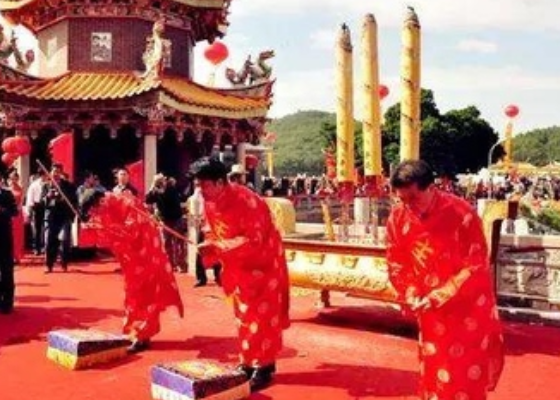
(179, 93)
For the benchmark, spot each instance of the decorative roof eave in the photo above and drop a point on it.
(7, 73)
(203, 3)
(38, 105)
(29, 14)
(211, 111)
(10, 5)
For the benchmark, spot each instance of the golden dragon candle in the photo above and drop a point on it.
(372, 105)
(344, 109)
(270, 162)
(410, 88)
(508, 148)
(327, 220)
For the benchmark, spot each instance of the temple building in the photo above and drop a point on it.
(117, 77)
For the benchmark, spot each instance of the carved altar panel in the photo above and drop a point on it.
(354, 269)
(529, 272)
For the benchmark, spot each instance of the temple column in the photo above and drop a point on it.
(23, 166)
(150, 159)
(241, 153)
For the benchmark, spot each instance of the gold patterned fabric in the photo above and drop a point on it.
(442, 259)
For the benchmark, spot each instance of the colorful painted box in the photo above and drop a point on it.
(80, 348)
(189, 380)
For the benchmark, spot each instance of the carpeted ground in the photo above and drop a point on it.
(355, 351)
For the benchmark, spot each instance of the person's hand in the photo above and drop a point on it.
(421, 303)
(209, 251)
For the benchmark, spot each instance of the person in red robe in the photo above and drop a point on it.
(241, 236)
(135, 240)
(17, 221)
(439, 264)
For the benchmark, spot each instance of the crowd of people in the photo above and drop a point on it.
(437, 261)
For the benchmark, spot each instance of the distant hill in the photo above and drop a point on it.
(538, 147)
(298, 144)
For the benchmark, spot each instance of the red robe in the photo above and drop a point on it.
(18, 223)
(445, 254)
(255, 272)
(135, 240)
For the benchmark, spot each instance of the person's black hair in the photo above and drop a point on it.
(209, 169)
(90, 200)
(410, 172)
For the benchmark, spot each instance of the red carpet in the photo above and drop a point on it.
(351, 352)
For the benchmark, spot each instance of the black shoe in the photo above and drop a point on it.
(65, 267)
(262, 377)
(247, 370)
(199, 284)
(138, 345)
(6, 309)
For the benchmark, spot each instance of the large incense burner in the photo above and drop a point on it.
(527, 267)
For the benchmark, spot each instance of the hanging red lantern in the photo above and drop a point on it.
(9, 158)
(23, 146)
(251, 161)
(9, 145)
(216, 53)
(512, 111)
(383, 91)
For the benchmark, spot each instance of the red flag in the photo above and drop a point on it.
(136, 172)
(62, 152)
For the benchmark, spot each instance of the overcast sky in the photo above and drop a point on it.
(477, 52)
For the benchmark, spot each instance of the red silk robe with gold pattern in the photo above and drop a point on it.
(445, 254)
(135, 240)
(254, 270)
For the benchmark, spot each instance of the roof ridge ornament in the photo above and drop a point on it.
(256, 72)
(157, 49)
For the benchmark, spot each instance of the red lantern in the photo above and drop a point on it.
(251, 161)
(216, 53)
(9, 145)
(9, 158)
(23, 146)
(383, 91)
(512, 111)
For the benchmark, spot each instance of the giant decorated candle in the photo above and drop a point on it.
(344, 109)
(410, 88)
(508, 158)
(371, 101)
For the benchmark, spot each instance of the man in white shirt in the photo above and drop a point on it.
(36, 211)
(196, 216)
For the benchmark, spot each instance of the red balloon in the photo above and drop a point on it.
(512, 111)
(9, 145)
(23, 146)
(216, 53)
(9, 158)
(383, 91)
(251, 161)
